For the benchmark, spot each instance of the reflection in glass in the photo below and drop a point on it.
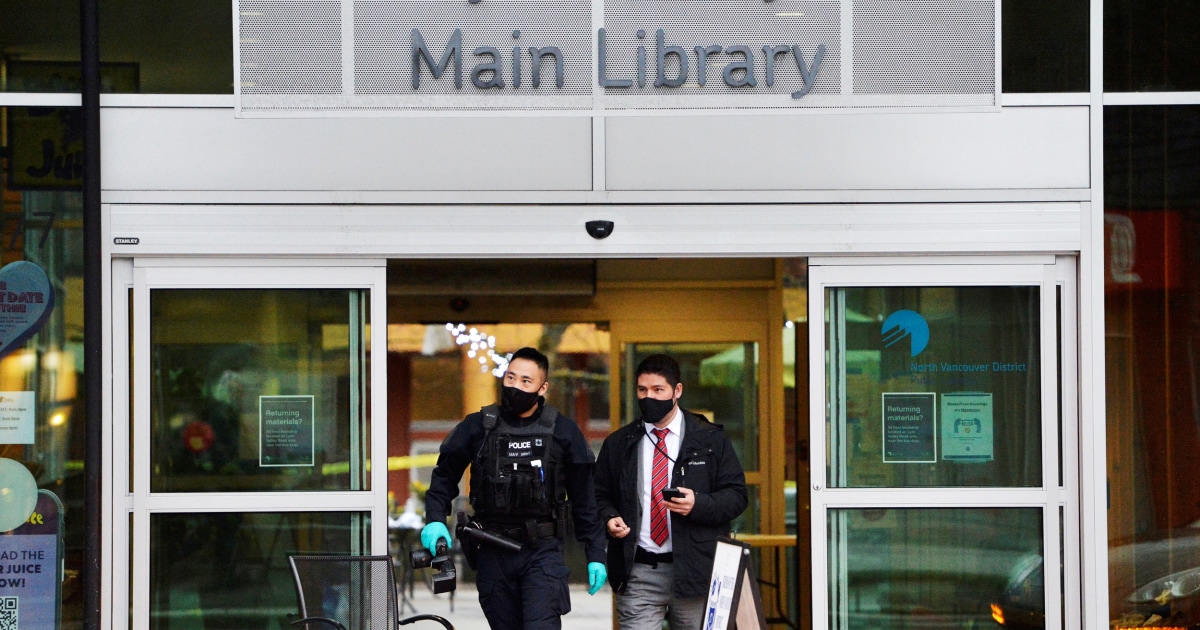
(221, 361)
(1045, 45)
(720, 381)
(1152, 328)
(1151, 45)
(177, 47)
(230, 570)
(42, 31)
(931, 568)
(42, 224)
(934, 386)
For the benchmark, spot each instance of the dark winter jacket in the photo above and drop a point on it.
(707, 464)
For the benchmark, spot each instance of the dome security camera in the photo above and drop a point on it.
(599, 229)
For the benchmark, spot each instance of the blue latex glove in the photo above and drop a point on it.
(430, 535)
(596, 576)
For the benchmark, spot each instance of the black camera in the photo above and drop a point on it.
(599, 229)
(446, 578)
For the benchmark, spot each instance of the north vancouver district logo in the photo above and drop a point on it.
(906, 323)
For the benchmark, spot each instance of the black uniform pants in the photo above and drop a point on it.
(526, 589)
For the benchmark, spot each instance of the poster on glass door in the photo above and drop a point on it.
(285, 435)
(908, 428)
(967, 427)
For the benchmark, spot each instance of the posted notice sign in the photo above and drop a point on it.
(908, 428)
(17, 418)
(30, 564)
(967, 434)
(285, 431)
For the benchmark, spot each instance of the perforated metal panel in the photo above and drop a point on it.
(360, 56)
(945, 47)
(289, 47)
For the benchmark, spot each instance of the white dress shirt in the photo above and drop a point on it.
(673, 438)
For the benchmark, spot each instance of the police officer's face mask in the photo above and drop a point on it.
(517, 401)
(654, 409)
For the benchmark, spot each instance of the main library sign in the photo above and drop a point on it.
(378, 56)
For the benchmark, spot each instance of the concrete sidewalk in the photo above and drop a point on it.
(588, 612)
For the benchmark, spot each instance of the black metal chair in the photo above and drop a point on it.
(349, 593)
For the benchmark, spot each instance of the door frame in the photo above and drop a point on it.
(641, 332)
(1059, 494)
(128, 436)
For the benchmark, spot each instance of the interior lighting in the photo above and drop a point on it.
(482, 346)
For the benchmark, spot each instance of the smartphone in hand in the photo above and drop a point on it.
(672, 493)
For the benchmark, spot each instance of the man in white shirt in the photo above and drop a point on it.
(667, 486)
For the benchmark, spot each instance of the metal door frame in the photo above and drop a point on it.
(128, 519)
(1059, 494)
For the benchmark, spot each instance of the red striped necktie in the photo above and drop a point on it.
(660, 474)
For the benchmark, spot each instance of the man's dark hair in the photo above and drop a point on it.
(532, 354)
(661, 365)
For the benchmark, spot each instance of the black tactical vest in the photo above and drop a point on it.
(519, 468)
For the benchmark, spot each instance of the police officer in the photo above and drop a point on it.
(531, 475)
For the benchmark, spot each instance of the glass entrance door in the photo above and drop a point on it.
(252, 435)
(723, 379)
(941, 392)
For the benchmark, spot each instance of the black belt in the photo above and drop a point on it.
(642, 556)
(521, 533)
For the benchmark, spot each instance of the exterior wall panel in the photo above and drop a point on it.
(558, 231)
(1018, 148)
(209, 149)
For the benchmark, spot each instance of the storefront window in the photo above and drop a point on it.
(935, 568)
(257, 390)
(230, 570)
(1151, 45)
(1045, 46)
(1152, 329)
(41, 34)
(145, 47)
(41, 356)
(172, 47)
(978, 377)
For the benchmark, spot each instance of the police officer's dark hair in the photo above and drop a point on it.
(532, 354)
(661, 365)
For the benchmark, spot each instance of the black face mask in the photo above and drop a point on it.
(654, 409)
(517, 401)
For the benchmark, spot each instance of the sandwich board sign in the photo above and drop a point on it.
(734, 602)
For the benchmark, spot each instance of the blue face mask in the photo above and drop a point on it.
(654, 409)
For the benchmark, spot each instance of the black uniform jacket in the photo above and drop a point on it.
(707, 464)
(460, 447)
